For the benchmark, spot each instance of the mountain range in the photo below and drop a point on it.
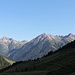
(9, 44)
(40, 46)
(60, 62)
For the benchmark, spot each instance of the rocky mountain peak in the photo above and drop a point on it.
(48, 36)
(5, 39)
(71, 35)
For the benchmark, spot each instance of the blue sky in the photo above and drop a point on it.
(25, 19)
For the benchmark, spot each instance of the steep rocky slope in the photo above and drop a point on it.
(40, 46)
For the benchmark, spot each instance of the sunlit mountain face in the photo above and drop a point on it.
(8, 44)
(40, 46)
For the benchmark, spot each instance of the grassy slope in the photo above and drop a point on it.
(9, 61)
(26, 73)
(61, 62)
(4, 62)
(73, 73)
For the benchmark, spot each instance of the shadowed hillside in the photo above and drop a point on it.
(61, 62)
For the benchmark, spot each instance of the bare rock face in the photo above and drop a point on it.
(40, 46)
(7, 44)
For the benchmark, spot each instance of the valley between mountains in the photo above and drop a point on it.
(44, 55)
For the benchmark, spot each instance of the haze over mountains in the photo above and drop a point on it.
(40, 46)
(8, 44)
